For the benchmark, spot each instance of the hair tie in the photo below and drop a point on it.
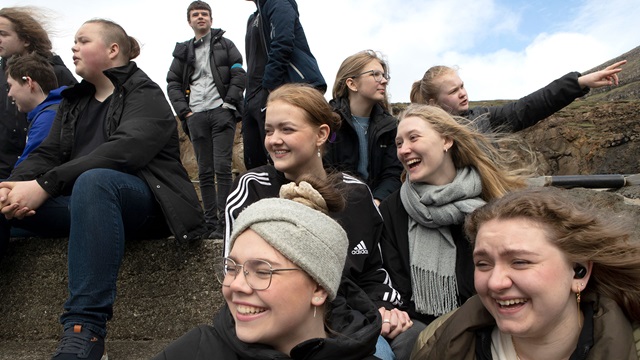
(305, 194)
(332, 137)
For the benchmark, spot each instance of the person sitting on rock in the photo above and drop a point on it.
(442, 86)
(109, 170)
(363, 145)
(282, 285)
(34, 88)
(450, 171)
(299, 122)
(555, 280)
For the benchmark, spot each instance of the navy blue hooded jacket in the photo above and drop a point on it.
(289, 57)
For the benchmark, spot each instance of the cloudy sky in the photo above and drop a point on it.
(504, 49)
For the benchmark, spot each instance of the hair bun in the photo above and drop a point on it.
(305, 194)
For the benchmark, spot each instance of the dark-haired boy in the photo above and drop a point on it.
(34, 89)
(205, 85)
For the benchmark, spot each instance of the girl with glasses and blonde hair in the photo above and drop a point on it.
(283, 289)
(363, 146)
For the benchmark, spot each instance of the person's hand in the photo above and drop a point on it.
(606, 77)
(394, 322)
(4, 196)
(21, 198)
(188, 115)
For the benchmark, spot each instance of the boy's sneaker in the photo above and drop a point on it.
(79, 343)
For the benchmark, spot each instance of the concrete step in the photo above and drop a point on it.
(162, 293)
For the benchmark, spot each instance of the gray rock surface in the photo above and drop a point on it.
(162, 293)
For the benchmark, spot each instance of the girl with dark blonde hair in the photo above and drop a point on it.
(299, 122)
(555, 280)
(450, 171)
(363, 146)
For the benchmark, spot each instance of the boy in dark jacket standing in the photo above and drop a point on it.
(205, 85)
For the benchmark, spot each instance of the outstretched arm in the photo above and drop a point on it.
(606, 77)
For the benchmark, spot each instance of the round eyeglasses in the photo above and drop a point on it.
(377, 75)
(257, 273)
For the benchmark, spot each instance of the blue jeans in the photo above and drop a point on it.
(383, 349)
(104, 206)
(212, 133)
(51, 220)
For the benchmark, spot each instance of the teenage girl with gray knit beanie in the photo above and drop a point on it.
(283, 289)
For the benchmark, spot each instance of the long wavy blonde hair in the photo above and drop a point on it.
(501, 170)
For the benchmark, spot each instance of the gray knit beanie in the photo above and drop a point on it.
(307, 237)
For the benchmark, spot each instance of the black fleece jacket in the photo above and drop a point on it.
(343, 153)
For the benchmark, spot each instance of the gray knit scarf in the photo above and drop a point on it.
(432, 251)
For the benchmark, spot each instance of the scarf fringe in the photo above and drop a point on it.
(433, 294)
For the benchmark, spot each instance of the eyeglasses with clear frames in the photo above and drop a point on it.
(377, 75)
(257, 273)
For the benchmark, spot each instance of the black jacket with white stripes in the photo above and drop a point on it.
(360, 219)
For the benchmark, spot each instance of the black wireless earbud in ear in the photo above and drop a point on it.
(580, 272)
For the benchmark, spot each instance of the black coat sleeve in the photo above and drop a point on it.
(176, 90)
(389, 177)
(395, 252)
(237, 75)
(538, 105)
(363, 223)
(282, 17)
